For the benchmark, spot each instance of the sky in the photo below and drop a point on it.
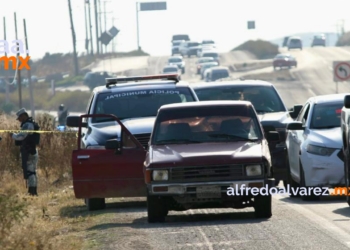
(225, 21)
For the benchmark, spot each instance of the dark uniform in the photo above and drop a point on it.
(29, 153)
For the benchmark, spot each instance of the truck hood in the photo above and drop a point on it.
(100, 132)
(277, 119)
(330, 138)
(206, 153)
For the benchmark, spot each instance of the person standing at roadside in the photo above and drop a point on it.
(29, 153)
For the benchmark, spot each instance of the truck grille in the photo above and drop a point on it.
(204, 173)
(341, 155)
(143, 139)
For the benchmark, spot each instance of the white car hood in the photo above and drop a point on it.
(326, 137)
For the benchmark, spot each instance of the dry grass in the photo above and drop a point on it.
(43, 99)
(50, 221)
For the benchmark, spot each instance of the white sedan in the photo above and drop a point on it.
(314, 145)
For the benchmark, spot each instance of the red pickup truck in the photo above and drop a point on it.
(198, 151)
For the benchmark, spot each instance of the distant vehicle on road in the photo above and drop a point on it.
(216, 73)
(199, 150)
(284, 60)
(314, 145)
(295, 43)
(319, 40)
(203, 60)
(95, 79)
(212, 54)
(180, 37)
(205, 66)
(205, 48)
(171, 69)
(208, 42)
(178, 61)
(175, 47)
(189, 48)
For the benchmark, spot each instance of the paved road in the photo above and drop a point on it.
(295, 224)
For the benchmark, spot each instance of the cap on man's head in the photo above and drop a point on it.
(21, 112)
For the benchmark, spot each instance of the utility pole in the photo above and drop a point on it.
(137, 23)
(91, 39)
(100, 24)
(29, 73)
(75, 56)
(96, 23)
(86, 29)
(19, 82)
(5, 71)
(105, 20)
(113, 47)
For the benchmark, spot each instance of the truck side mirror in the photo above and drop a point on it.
(347, 101)
(273, 136)
(295, 126)
(294, 112)
(113, 144)
(74, 121)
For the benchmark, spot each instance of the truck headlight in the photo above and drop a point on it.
(317, 150)
(160, 175)
(253, 170)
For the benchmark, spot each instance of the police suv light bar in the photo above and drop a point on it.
(113, 81)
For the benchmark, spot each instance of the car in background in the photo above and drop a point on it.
(285, 41)
(295, 43)
(314, 145)
(114, 134)
(284, 60)
(178, 61)
(203, 60)
(180, 37)
(212, 54)
(11, 84)
(319, 40)
(171, 69)
(205, 66)
(95, 79)
(175, 47)
(205, 48)
(189, 48)
(269, 105)
(208, 42)
(215, 73)
(199, 150)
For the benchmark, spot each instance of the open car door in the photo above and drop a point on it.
(116, 171)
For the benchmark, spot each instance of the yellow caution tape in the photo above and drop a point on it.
(36, 131)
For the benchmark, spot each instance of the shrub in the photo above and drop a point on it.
(344, 40)
(261, 49)
(69, 81)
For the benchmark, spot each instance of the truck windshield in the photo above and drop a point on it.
(326, 116)
(206, 124)
(264, 98)
(138, 103)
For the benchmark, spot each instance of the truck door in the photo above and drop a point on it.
(110, 172)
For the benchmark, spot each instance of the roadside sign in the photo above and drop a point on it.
(341, 71)
(251, 25)
(152, 6)
(113, 31)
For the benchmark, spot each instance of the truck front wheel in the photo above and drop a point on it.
(156, 209)
(263, 206)
(95, 204)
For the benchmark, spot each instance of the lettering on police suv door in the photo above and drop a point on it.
(148, 92)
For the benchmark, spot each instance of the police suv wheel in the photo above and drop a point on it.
(263, 206)
(156, 209)
(95, 204)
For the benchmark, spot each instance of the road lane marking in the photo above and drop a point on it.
(333, 230)
(206, 240)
